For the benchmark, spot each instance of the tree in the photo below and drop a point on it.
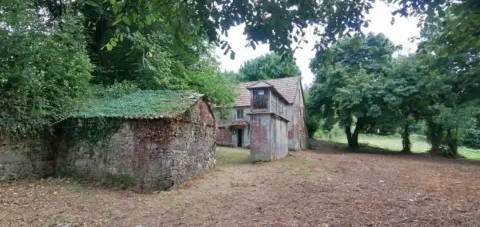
(454, 58)
(471, 138)
(268, 66)
(207, 79)
(406, 94)
(281, 24)
(52, 52)
(151, 57)
(349, 85)
(44, 68)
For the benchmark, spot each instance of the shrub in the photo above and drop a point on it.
(44, 68)
(471, 138)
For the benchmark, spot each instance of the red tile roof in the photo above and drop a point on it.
(286, 86)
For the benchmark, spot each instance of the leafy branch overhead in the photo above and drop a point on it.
(278, 23)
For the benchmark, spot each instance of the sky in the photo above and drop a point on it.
(400, 33)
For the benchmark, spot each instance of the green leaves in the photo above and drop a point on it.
(44, 69)
(349, 87)
(269, 66)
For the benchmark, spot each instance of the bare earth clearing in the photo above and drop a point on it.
(327, 188)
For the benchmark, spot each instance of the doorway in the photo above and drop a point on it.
(239, 137)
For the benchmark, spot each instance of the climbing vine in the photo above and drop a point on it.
(91, 130)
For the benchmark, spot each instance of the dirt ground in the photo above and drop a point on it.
(322, 188)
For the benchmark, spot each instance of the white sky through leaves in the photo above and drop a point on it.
(400, 33)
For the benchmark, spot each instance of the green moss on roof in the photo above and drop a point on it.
(143, 104)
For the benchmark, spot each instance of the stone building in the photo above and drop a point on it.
(234, 128)
(149, 140)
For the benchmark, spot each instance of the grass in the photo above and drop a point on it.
(232, 156)
(394, 143)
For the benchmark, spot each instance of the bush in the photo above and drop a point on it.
(471, 138)
(44, 68)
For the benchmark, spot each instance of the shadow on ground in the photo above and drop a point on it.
(331, 147)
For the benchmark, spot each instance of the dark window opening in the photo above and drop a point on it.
(239, 113)
(260, 99)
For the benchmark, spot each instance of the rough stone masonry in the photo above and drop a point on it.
(154, 151)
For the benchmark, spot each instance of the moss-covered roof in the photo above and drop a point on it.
(141, 105)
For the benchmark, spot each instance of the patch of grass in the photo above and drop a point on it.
(470, 153)
(394, 143)
(232, 156)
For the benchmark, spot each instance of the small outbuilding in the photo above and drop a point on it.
(148, 140)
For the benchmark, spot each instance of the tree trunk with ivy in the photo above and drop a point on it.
(434, 137)
(406, 144)
(452, 143)
(444, 141)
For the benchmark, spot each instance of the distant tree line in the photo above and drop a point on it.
(268, 66)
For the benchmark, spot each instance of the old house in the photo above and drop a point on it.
(234, 128)
(147, 140)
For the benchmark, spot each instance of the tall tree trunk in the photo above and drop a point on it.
(406, 144)
(352, 138)
(444, 141)
(452, 143)
(434, 136)
(355, 137)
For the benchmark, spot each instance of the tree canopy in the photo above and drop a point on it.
(438, 85)
(44, 68)
(348, 84)
(268, 66)
(60, 54)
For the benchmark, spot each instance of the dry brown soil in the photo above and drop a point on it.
(325, 188)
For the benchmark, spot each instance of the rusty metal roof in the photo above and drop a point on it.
(287, 87)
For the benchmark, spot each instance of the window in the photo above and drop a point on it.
(260, 99)
(239, 113)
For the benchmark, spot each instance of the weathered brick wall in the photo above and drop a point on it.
(145, 154)
(224, 136)
(24, 159)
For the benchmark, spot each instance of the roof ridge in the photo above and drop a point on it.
(271, 79)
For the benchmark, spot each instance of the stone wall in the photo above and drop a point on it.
(24, 159)
(144, 155)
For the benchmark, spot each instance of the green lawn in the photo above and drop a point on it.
(230, 155)
(394, 143)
